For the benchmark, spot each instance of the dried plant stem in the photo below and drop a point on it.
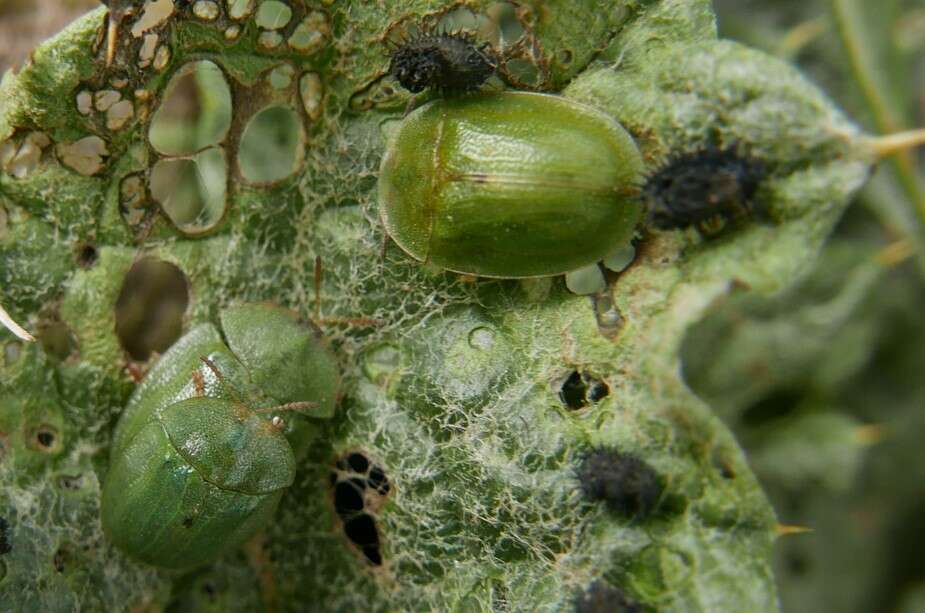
(14, 327)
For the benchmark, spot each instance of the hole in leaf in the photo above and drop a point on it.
(57, 340)
(460, 18)
(192, 191)
(71, 483)
(273, 15)
(195, 112)
(348, 498)
(271, 145)
(580, 389)
(62, 559)
(86, 255)
(358, 462)
(378, 481)
(523, 71)
(45, 439)
(239, 9)
(150, 308)
(362, 488)
(504, 14)
(362, 532)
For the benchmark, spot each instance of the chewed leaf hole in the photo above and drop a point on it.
(192, 192)
(359, 488)
(46, 439)
(150, 308)
(271, 145)
(86, 255)
(581, 389)
(504, 14)
(57, 340)
(195, 112)
(362, 532)
(348, 498)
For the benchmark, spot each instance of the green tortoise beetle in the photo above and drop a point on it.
(511, 185)
(200, 456)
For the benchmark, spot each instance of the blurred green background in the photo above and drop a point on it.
(822, 385)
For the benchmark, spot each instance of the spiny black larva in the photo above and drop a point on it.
(707, 188)
(449, 63)
(627, 484)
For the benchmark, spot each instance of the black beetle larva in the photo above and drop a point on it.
(450, 63)
(704, 188)
(627, 484)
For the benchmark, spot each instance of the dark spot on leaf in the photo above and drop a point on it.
(601, 597)
(625, 483)
(580, 389)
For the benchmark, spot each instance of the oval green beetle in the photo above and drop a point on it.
(200, 456)
(510, 185)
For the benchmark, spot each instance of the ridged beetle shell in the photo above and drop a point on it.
(195, 468)
(510, 185)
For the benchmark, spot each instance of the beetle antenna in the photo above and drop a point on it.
(289, 406)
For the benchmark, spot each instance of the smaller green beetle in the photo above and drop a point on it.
(198, 461)
(510, 185)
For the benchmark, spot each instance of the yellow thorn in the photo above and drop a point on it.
(788, 529)
(891, 144)
(869, 435)
(14, 327)
(895, 253)
(801, 35)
